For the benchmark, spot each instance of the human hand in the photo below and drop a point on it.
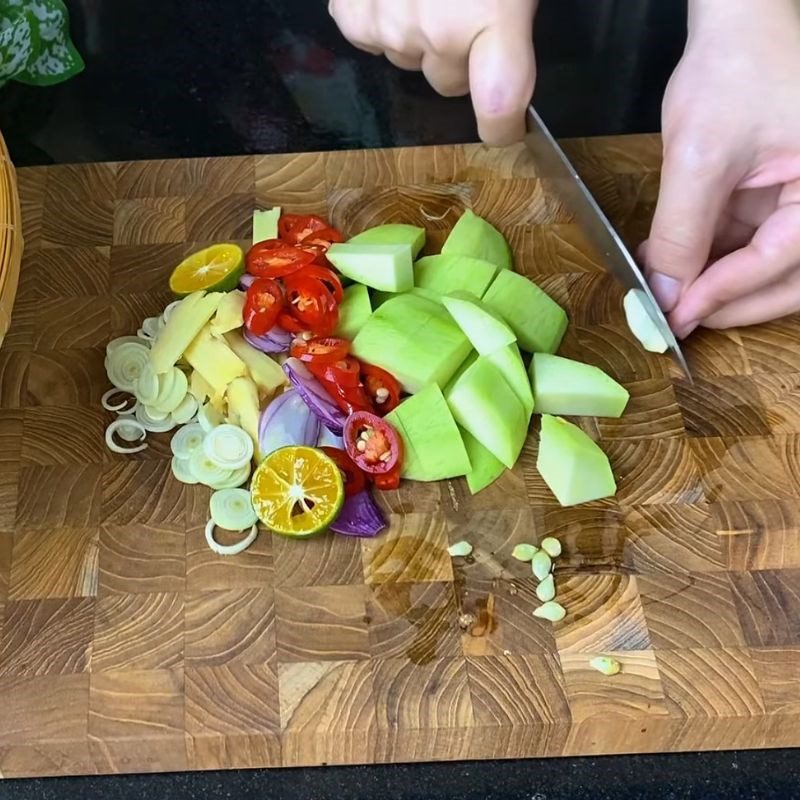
(724, 248)
(483, 47)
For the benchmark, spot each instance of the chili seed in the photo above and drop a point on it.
(386, 456)
(381, 395)
(361, 445)
(307, 336)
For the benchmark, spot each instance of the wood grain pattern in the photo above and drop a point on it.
(126, 645)
(321, 623)
(46, 637)
(138, 632)
(236, 626)
(59, 562)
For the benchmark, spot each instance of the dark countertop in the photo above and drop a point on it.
(199, 77)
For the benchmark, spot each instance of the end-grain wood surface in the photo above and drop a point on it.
(126, 645)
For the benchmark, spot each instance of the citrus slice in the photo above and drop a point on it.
(215, 269)
(297, 491)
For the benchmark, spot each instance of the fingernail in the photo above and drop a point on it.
(686, 329)
(666, 290)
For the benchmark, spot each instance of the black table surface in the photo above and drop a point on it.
(222, 77)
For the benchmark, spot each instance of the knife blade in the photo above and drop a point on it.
(554, 165)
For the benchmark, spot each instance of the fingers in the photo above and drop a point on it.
(502, 74)
(407, 61)
(354, 19)
(694, 191)
(449, 77)
(722, 292)
(772, 302)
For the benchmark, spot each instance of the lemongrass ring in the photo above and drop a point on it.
(167, 312)
(182, 471)
(140, 334)
(153, 425)
(228, 446)
(156, 414)
(150, 327)
(236, 479)
(232, 509)
(187, 441)
(208, 472)
(129, 431)
(125, 363)
(229, 549)
(129, 412)
(185, 411)
(115, 343)
(147, 385)
(105, 400)
(114, 428)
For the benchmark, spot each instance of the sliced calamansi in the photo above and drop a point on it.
(297, 491)
(215, 269)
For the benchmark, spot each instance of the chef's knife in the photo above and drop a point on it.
(555, 165)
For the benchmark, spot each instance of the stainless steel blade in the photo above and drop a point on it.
(555, 166)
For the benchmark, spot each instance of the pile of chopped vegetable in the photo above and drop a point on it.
(335, 368)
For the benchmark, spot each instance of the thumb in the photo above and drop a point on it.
(690, 201)
(502, 74)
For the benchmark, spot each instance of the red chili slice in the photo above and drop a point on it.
(389, 480)
(262, 305)
(326, 276)
(373, 444)
(293, 228)
(290, 323)
(344, 373)
(311, 304)
(353, 477)
(382, 387)
(273, 258)
(325, 237)
(322, 351)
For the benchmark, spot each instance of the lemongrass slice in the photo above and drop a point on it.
(186, 410)
(156, 414)
(148, 385)
(146, 338)
(125, 364)
(232, 509)
(129, 412)
(151, 424)
(129, 430)
(114, 428)
(228, 446)
(236, 479)
(182, 471)
(150, 326)
(207, 471)
(115, 343)
(229, 549)
(209, 417)
(120, 407)
(167, 312)
(173, 388)
(187, 441)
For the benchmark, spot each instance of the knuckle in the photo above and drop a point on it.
(695, 152)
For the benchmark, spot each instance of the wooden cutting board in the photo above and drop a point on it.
(126, 645)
